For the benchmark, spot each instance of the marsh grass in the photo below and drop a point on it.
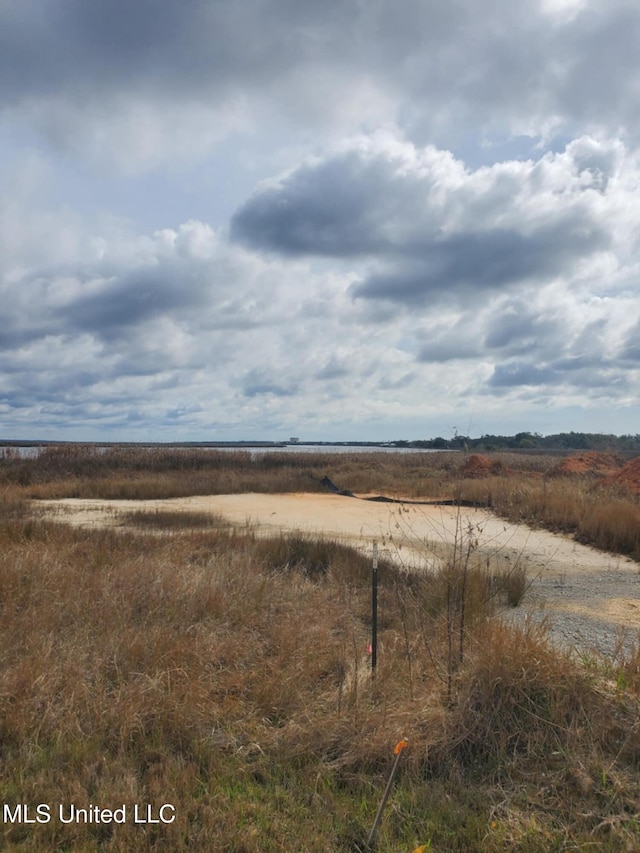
(150, 473)
(522, 492)
(607, 519)
(164, 519)
(317, 558)
(228, 675)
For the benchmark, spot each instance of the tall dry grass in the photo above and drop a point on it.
(229, 676)
(609, 520)
(151, 473)
(520, 493)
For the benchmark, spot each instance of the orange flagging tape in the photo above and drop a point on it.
(403, 744)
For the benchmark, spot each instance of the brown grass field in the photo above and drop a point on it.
(188, 662)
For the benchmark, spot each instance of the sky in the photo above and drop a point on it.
(347, 220)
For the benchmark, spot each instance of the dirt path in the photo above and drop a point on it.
(590, 599)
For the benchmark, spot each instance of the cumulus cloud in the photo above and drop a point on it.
(490, 268)
(428, 227)
(432, 210)
(167, 316)
(188, 73)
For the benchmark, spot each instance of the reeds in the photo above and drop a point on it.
(151, 473)
(606, 519)
(229, 675)
(163, 519)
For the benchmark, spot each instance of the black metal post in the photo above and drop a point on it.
(374, 610)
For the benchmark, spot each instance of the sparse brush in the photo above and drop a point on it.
(242, 694)
(519, 695)
(139, 472)
(603, 519)
(164, 519)
(229, 675)
(516, 488)
(612, 525)
(317, 558)
(511, 584)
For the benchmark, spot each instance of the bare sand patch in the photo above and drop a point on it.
(585, 595)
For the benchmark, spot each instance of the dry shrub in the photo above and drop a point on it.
(317, 558)
(612, 525)
(593, 516)
(518, 695)
(626, 667)
(192, 669)
(168, 519)
(512, 584)
(139, 472)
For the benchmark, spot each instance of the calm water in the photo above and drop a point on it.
(323, 448)
(28, 451)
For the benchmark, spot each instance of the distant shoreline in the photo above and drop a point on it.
(201, 444)
(624, 446)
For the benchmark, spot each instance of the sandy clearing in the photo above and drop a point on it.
(587, 597)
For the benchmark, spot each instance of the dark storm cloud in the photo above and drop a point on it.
(427, 224)
(18, 333)
(512, 331)
(189, 280)
(631, 346)
(450, 347)
(71, 302)
(51, 387)
(582, 363)
(497, 65)
(522, 373)
(599, 68)
(258, 382)
(519, 65)
(579, 373)
(371, 200)
(43, 45)
(164, 49)
(336, 208)
(475, 263)
(516, 329)
(99, 45)
(133, 300)
(332, 370)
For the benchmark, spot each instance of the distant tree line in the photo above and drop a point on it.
(530, 441)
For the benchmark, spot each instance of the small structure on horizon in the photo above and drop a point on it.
(294, 440)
